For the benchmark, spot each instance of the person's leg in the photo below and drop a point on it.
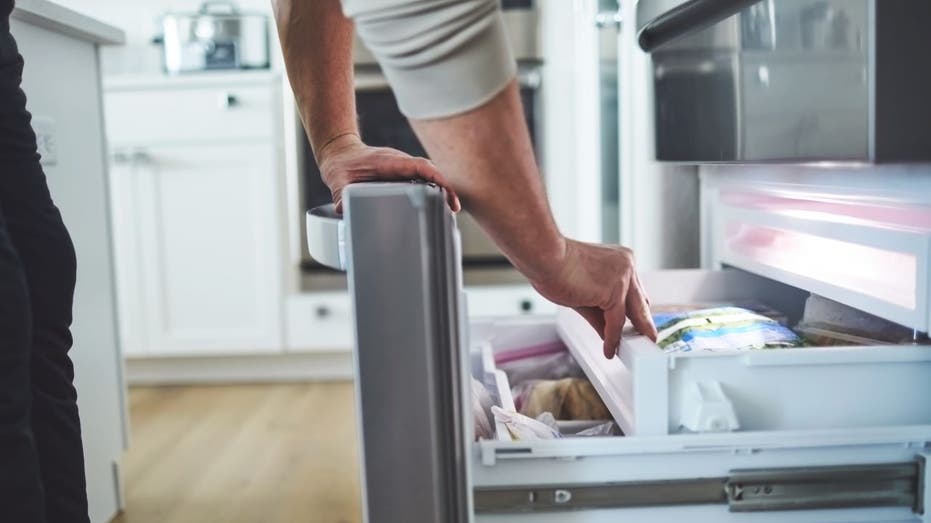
(39, 237)
(20, 485)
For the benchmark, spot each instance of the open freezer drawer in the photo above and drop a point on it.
(413, 362)
(813, 475)
(652, 393)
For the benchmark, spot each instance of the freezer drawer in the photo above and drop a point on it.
(652, 393)
(823, 475)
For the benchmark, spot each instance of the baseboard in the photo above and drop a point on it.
(312, 366)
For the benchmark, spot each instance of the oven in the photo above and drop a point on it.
(382, 124)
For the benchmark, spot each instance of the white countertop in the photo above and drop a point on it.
(128, 82)
(54, 17)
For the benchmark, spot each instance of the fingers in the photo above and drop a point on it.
(638, 310)
(409, 167)
(615, 318)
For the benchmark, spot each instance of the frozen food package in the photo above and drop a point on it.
(549, 361)
(721, 329)
(481, 411)
(566, 399)
(522, 427)
(605, 429)
(828, 315)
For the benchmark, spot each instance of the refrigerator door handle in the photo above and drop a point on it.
(685, 18)
(326, 236)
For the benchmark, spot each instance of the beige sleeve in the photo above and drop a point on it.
(441, 57)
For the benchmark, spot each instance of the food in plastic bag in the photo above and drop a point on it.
(605, 429)
(551, 361)
(721, 329)
(566, 399)
(826, 322)
(521, 427)
(481, 411)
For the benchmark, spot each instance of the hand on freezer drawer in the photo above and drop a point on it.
(346, 160)
(600, 283)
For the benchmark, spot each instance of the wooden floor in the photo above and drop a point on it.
(243, 454)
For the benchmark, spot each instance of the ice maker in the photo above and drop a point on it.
(822, 435)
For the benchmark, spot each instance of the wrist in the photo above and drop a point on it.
(550, 262)
(336, 143)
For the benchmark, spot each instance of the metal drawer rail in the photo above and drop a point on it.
(856, 486)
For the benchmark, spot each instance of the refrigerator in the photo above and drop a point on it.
(814, 434)
(808, 119)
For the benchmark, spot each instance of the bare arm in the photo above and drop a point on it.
(487, 155)
(316, 40)
(484, 149)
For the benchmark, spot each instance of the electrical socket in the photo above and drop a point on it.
(44, 128)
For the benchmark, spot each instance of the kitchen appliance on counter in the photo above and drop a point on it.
(708, 437)
(217, 36)
(382, 124)
(789, 80)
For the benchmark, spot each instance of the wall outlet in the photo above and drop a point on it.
(44, 127)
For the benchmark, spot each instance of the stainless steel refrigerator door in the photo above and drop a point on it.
(401, 254)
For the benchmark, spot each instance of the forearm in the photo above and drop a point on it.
(316, 40)
(487, 156)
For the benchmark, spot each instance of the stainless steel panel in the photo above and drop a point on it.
(798, 81)
(404, 281)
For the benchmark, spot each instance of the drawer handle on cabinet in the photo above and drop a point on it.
(526, 306)
(228, 101)
(322, 311)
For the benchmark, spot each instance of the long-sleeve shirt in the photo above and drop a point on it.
(441, 57)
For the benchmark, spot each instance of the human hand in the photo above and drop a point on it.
(347, 160)
(601, 284)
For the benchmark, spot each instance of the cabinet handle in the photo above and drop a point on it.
(526, 305)
(228, 101)
(121, 157)
(322, 311)
(141, 156)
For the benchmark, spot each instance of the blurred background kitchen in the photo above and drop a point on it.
(234, 345)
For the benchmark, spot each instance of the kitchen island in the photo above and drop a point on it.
(63, 87)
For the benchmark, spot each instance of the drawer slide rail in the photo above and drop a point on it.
(758, 490)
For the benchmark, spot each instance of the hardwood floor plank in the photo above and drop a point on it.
(242, 454)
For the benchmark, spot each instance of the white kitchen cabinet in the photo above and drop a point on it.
(197, 199)
(198, 249)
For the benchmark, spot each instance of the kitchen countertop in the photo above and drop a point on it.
(54, 17)
(199, 79)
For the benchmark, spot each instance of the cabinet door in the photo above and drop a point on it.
(209, 248)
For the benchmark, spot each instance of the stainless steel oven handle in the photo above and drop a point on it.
(326, 236)
(685, 18)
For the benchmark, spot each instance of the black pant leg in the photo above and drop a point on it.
(42, 242)
(21, 496)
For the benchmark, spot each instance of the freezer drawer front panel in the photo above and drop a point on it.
(402, 257)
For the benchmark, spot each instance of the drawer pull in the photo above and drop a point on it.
(526, 306)
(228, 101)
(322, 311)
